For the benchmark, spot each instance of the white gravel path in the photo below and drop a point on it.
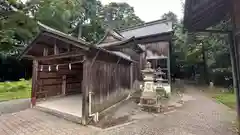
(201, 116)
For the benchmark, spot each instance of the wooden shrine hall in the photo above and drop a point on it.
(77, 80)
(64, 66)
(155, 38)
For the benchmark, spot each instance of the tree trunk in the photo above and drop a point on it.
(205, 67)
(79, 30)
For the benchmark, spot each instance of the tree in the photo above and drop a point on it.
(91, 27)
(62, 15)
(113, 15)
(119, 16)
(200, 53)
(170, 15)
(16, 29)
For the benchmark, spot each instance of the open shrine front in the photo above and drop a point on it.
(59, 86)
(59, 78)
(158, 54)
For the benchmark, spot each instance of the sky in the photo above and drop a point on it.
(150, 10)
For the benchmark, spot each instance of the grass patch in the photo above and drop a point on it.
(229, 99)
(15, 90)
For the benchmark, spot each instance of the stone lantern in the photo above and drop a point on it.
(160, 83)
(159, 77)
(148, 74)
(149, 99)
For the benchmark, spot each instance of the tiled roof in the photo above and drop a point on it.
(80, 42)
(46, 28)
(148, 29)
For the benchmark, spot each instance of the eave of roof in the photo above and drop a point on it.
(149, 29)
(141, 25)
(116, 54)
(170, 33)
(120, 43)
(81, 44)
(125, 41)
(195, 20)
(110, 32)
(45, 30)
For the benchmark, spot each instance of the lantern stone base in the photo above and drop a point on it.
(149, 102)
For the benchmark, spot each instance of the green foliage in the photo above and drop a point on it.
(201, 53)
(170, 15)
(58, 14)
(16, 29)
(119, 15)
(192, 53)
(81, 18)
(15, 90)
(229, 99)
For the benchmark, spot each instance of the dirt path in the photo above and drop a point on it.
(202, 116)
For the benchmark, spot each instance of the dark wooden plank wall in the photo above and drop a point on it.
(110, 83)
(158, 48)
(50, 82)
(136, 66)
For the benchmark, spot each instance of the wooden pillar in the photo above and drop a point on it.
(131, 76)
(169, 65)
(85, 90)
(69, 48)
(34, 82)
(236, 50)
(64, 84)
(233, 60)
(56, 49)
(45, 52)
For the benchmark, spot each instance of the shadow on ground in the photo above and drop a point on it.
(129, 111)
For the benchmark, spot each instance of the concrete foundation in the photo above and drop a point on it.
(69, 107)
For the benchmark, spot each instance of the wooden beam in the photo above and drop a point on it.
(94, 59)
(60, 56)
(44, 44)
(155, 38)
(30, 57)
(214, 31)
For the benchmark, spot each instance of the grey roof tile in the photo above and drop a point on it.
(147, 29)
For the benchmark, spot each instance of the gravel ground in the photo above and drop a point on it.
(201, 116)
